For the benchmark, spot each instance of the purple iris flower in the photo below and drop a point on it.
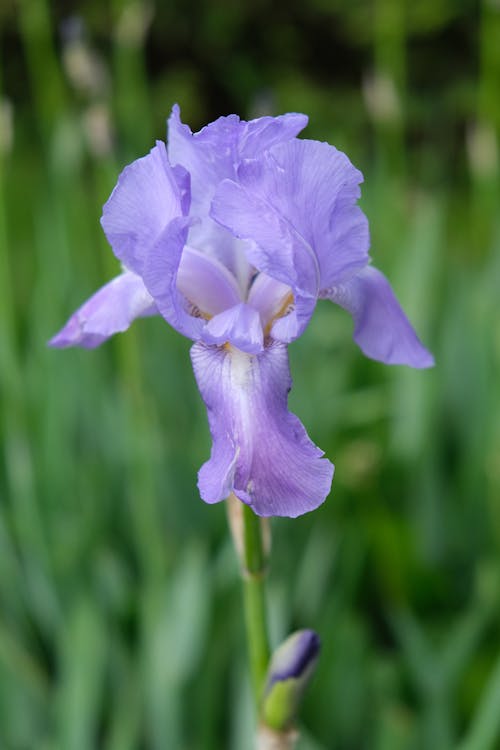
(232, 234)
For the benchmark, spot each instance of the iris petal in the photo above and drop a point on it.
(110, 310)
(296, 208)
(160, 272)
(284, 314)
(260, 450)
(206, 283)
(239, 326)
(381, 329)
(213, 154)
(270, 297)
(147, 196)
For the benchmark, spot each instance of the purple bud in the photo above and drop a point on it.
(294, 656)
(291, 666)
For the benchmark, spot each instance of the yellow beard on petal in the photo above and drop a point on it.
(285, 307)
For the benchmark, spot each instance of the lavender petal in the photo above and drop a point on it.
(381, 329)
(160, 273)
(282, 313)
(148, 195)
(306, 194)
(239, 325)
(206, 282)
(296, 208)
(260, 450)
(214, 154)
(110, 310)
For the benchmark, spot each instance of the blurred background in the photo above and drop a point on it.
(120, 609)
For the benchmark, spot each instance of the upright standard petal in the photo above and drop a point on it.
(381, 329)
(214, 154)
(305, 193)
(110, 310)
(148, 195)
(296, 207)
(260, 450)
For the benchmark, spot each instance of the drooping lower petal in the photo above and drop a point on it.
(381, 329)
(110, 310)
(260, 450)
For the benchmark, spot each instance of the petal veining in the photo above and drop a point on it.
(110, 310)
(260, 450)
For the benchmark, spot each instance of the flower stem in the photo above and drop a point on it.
(267, 739)
(252, 541)
(255, 621)
(254, 573)
(251, 538)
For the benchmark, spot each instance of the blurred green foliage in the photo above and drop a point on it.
(120, 622)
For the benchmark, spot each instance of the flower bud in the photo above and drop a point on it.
(290, 669)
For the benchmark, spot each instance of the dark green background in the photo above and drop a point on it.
(120, 623)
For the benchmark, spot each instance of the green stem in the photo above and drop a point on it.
(254, 570)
